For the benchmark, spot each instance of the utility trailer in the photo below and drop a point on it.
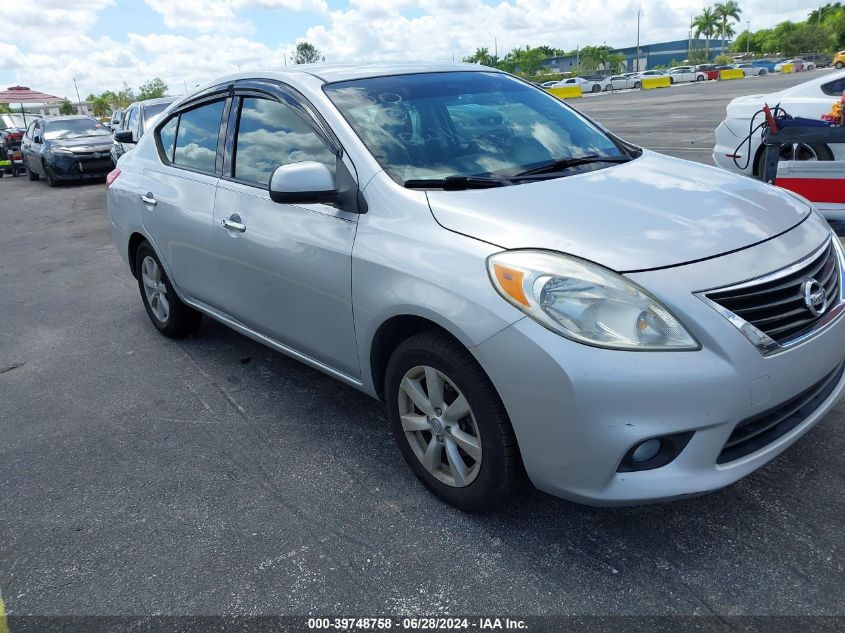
(821, 182)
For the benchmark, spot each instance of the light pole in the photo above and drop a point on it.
(748, 37)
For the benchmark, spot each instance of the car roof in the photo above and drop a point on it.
(68, 117)
(333, 72)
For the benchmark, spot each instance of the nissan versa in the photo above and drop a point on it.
(525, 291)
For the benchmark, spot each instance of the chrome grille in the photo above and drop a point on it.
(777, 305)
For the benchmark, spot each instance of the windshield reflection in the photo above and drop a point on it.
(436, 125)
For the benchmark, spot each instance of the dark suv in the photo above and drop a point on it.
(818, 60)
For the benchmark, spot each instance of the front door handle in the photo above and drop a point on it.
(149, 199)
(233, 223)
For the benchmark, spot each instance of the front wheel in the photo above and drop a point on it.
(637, 84)
(700, 78)
(450, 423)
(51, 180)
(595, 88)
(169, 315)
(840, 65)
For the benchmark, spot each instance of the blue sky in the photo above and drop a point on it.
(103, 43)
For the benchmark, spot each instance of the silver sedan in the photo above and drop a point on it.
(528, 293)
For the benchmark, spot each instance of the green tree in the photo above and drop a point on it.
(306, 53)
(725, 12)
(66, 107)
(482, 56)
(100, 105)
(152, 89)
(706, 25)
(4, 108)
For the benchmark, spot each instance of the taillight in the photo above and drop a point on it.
(111, 177)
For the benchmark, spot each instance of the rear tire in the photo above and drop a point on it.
(840, 65)
(470, 458)
(637, 84)
(809, 151)
(169, 315)
(763, 72)
(700, 77)
(595, 88)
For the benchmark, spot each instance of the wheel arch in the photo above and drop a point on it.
(389, 335)
(135, 241)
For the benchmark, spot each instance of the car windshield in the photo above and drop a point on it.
(74, 128)
(438, 125)
(8, 121)
(152, 112)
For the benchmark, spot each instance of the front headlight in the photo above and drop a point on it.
(60, 150)
(585, 302)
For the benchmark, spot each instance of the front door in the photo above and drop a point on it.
(284, 270)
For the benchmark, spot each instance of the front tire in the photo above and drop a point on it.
(450, 423)
(637, 85)
(840, 65)
(51, 181)
(169, 315)
(595, 88)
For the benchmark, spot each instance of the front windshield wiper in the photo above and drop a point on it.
(565, 163)
(456, 183)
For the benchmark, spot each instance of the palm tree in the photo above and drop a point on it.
(705, 24)
(723, 12)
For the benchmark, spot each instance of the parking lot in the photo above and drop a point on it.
(212, 475)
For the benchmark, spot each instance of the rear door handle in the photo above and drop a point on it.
(233, 223)
(149, 199)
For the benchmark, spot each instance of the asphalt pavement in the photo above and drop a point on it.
(214, 476)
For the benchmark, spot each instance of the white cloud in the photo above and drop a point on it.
(222, 39)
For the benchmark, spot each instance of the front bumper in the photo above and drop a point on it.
(578, 410)
(75, 167)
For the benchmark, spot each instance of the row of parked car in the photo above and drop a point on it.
(72, 147)
(700, 72)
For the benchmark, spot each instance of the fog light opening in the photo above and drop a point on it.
(654, 452)
(645, 451)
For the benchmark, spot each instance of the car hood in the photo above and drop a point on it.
(652, 212)
(85, 144)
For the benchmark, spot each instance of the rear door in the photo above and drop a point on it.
(284, 270)
(176, 194)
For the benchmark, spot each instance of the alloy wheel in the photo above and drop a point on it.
(155, 289)
(439, 426)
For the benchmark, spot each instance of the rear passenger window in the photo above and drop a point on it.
(167, 135)
(834, 88)
(196, 138)
(272, 134)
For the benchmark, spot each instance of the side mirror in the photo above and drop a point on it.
(124, 136)
(37, 139)
(304, 182)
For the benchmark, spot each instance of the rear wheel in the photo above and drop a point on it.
(763, 71)
(595, 88)
(637, 84)
(797, 151)
(450, 423)
(700, 77)
(169, 315)
(840, 65)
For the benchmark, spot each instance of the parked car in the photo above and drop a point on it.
(594, 84)
(548, 84)
(616, 354)
(710, 71)
(817, 60)
(810, 99)
(651, 73)
(750, 70)
(797, 65)
(767, 64)
(67, 148)
(136, 120)
(622, 82)
(682, 74)
(114, 120)
(12, 128)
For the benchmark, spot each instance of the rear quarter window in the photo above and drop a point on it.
(834, 88)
